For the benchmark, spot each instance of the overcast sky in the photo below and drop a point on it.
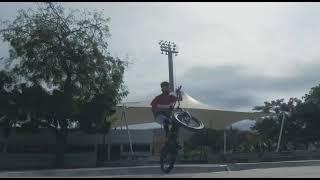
(232, 56)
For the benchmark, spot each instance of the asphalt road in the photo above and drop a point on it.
(294, 169)
(283, 172)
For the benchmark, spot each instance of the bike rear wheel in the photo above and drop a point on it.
(167, 158)
(187, 121)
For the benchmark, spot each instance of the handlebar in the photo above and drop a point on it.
(178, 91)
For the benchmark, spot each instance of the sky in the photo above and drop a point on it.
(232, 56)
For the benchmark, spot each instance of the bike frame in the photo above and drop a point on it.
(175, 126)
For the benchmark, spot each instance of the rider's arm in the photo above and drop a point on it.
(161, 107)
(154, 105)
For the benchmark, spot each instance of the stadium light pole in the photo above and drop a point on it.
(169, 48)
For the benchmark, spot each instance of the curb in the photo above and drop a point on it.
(264, 165)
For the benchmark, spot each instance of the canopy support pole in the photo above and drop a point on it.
(224, 141)
(281, 129)
(129, 135)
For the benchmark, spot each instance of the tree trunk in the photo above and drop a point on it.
(61, 139)
(61, 134)
(6, 130)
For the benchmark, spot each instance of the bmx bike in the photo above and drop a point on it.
(180, 118)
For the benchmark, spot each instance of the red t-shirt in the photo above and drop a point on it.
(165, 100)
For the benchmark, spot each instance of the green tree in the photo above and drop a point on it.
(242, 141)
(7, 105)
(62, 57)
(269, 128)
(308, 114)
(206, 137)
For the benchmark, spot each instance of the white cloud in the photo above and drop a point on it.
(272, 40)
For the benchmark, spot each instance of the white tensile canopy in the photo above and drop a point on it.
(140, 112)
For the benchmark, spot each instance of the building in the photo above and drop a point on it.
(27, 150)
(145, 143)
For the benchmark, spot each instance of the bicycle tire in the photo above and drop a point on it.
(177, 117)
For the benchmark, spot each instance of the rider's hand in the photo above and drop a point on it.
(178, 92)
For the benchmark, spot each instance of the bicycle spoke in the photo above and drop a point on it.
(187, 120)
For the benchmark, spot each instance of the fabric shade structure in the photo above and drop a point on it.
(140, 112)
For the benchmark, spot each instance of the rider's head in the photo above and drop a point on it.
(165, 87)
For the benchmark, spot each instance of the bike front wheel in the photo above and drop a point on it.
(187, 120)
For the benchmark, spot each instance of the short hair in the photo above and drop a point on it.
(164, 83)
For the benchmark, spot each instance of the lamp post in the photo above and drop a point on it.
(169, 48)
